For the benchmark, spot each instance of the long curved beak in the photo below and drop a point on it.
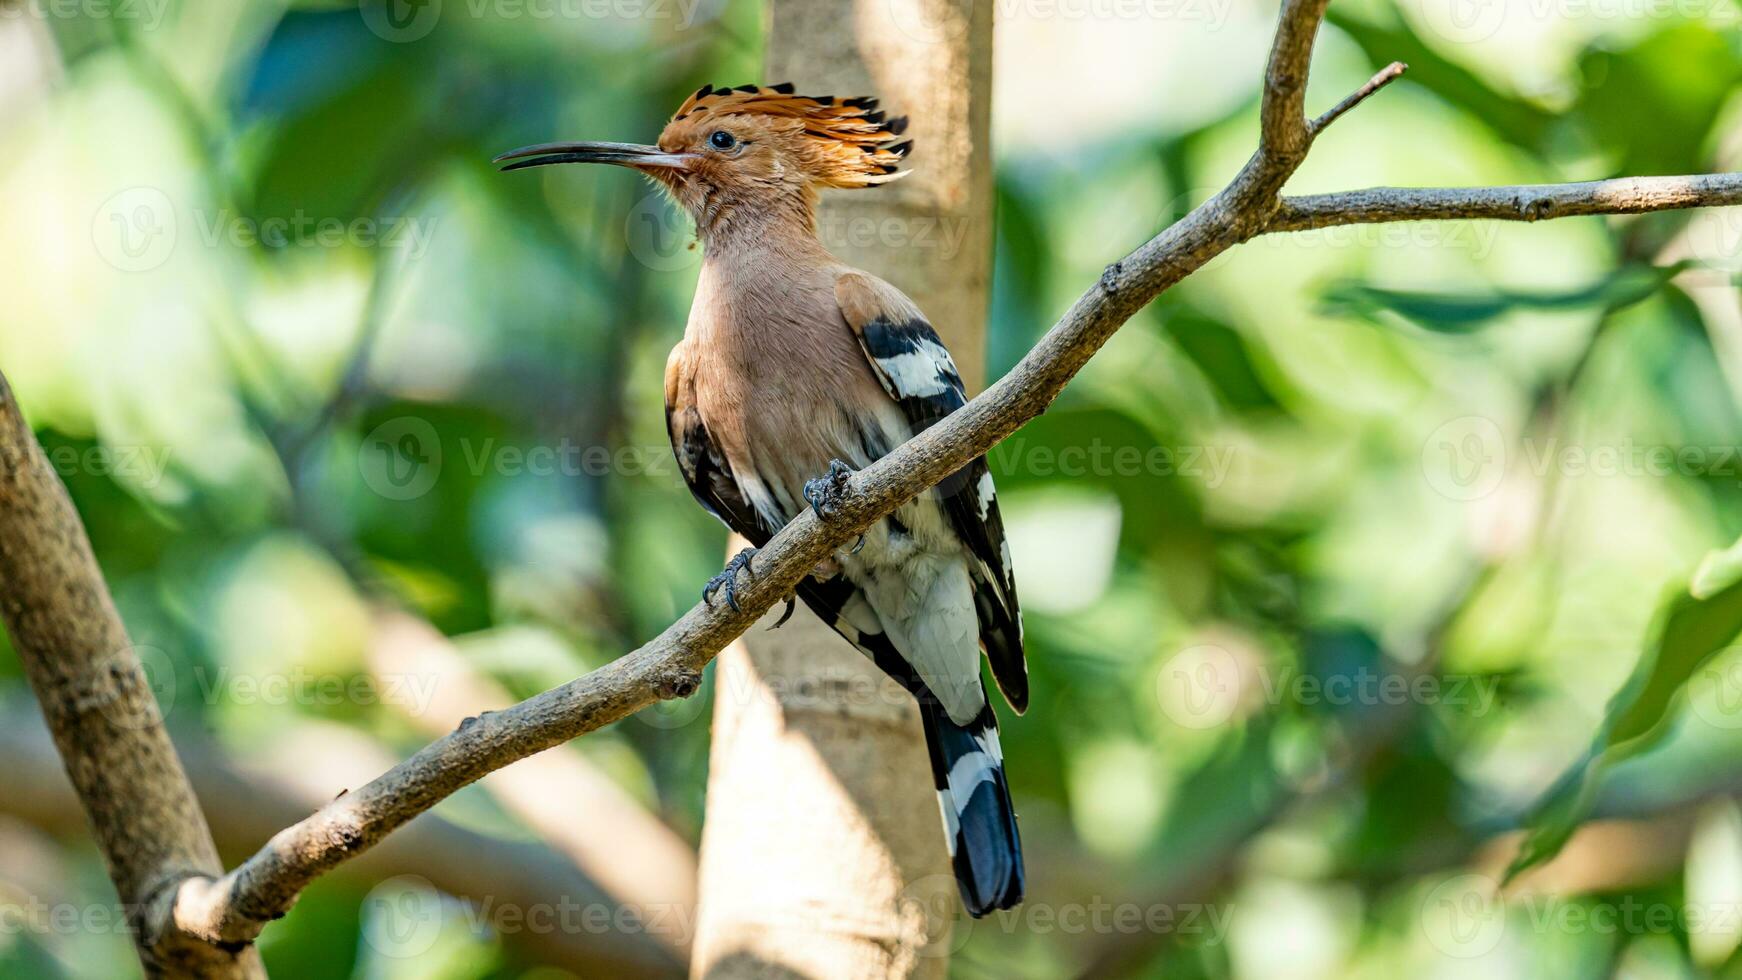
(623, 154)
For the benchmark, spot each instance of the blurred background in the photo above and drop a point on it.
(1332, 560)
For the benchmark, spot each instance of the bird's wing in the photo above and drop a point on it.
(918, 373)
(836, 601)
(704, 467)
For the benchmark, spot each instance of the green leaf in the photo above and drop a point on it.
(1224, 356)
(1692, 626)
(1694, 629)
(1556, 816)
(1657, 100)
(1463, 313)
(1718, 571)
(1674, 354)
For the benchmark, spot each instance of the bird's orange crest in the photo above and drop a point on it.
(839, 142)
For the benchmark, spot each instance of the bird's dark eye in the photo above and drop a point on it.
(721, 140)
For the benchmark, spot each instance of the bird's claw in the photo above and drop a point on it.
(728, 579)
(791, 603)
(825, 492)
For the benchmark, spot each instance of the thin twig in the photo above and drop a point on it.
(1386, 76)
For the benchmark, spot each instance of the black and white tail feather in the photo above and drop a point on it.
(967, 765)
(979, 819)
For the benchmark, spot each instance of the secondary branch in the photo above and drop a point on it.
(1523, 202)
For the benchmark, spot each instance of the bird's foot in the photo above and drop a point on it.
(825, 492)
(728, 579)
(791, 603)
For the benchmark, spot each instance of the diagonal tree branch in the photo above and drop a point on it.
(236, 907)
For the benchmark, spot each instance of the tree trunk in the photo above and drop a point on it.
(823, 853)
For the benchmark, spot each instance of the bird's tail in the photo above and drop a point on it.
(979, 821)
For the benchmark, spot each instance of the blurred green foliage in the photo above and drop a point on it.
(1461, 462)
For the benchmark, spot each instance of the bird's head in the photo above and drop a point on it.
(751, 150)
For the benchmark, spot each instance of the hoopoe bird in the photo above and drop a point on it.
(796, 369)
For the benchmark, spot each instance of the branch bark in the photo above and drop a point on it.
(235, 908)
(1522, 202)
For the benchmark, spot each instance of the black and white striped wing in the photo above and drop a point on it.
(918, 373)
(705, 468)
